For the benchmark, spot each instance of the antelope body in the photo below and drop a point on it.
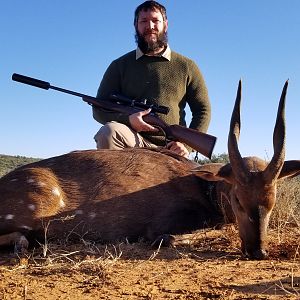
(108, 195)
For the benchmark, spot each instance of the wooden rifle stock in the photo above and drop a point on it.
(199, 141)
(202, 142)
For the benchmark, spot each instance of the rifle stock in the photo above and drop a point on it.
(202, 142)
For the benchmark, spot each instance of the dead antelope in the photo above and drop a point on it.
(109, 195)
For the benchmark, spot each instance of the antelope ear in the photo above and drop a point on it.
(215, 172)
(208, 171)
(290, 168)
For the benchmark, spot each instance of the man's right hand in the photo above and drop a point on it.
(138, 124)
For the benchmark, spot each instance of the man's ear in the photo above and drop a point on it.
(166, 25)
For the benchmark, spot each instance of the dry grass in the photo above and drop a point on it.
(287, 209)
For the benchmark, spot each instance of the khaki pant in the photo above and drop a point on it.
(114, 135)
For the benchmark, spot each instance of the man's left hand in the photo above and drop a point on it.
(178, 148)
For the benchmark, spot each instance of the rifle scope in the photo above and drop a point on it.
(141, 104)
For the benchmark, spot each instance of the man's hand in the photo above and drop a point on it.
(138, 124)
(178, 148)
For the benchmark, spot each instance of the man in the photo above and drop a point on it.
(155, 73)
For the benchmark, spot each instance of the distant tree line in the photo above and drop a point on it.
(216, 158)
(9, 162)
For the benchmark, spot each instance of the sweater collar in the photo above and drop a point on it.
(166, 54)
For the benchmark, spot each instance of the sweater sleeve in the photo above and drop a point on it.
(110, 84)
(197, 99)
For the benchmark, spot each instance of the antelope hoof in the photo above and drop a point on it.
(14, 238)
(257, 254)
(165, 240)
(21, 244)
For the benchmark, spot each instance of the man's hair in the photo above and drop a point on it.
(149, 5)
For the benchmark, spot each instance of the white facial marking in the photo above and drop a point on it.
(9, 217)
(56, 192)
(15, 179)
(23, 242)
(62, 203)
(30, 180)
(26, 227)
(264, 214)
(92, 215)
(31, 207)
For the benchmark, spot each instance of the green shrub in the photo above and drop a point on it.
(8, 162)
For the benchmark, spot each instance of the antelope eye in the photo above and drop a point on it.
(251, 219)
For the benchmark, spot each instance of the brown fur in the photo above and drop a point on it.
(106, 195)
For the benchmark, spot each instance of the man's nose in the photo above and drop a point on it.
(150, 24)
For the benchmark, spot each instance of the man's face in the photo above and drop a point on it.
(151, 30)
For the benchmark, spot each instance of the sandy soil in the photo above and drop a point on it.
(204, 265)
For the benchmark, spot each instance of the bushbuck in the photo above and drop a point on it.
(110, 195)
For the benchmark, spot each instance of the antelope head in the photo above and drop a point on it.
(253, 181)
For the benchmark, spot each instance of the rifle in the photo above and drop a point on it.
(199, 141)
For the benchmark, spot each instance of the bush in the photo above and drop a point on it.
(8, 162)
(220, 158)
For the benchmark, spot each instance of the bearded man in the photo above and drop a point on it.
(153, 72)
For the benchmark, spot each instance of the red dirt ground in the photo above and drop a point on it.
(204, 265)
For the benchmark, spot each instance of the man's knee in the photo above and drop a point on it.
(114, 135)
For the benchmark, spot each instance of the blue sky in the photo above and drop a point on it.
(71, 43)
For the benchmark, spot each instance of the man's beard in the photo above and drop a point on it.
(151, 46)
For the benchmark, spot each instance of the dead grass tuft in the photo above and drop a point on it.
(287, 208)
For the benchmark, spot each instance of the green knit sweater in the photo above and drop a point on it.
(173, 83)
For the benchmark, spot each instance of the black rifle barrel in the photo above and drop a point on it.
(31, 81)
(119, 98)
(43, 84)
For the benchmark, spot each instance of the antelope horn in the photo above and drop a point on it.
(272, 172)
(238, 167)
